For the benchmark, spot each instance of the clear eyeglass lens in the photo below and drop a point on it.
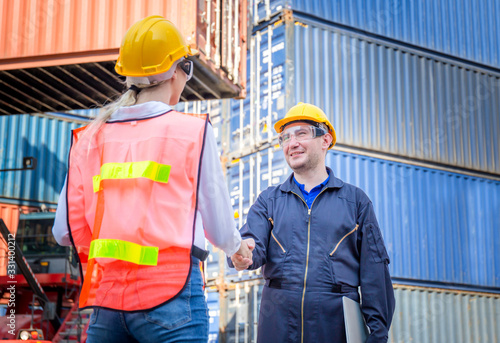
(301, 133)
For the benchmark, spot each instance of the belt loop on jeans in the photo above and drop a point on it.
(199, 253)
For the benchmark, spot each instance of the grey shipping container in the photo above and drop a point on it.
(428, 315)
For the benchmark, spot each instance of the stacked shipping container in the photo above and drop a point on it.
(47, 139)
(25, 191)
(417, 127)
(413, 93)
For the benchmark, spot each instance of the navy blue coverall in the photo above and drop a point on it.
(311, 257)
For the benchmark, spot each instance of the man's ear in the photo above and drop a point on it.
(327, 140)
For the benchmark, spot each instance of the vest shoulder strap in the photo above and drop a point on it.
(203, 116)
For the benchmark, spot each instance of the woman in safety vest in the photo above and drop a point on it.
(144, 185)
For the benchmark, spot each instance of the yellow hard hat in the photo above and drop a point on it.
(306, 112)
(150, 47)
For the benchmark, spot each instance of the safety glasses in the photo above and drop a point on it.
(301, 133)
(187, 67)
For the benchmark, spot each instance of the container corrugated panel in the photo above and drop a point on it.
(212, 262)
(90, 113)
(213, 314)
(46, 139)
(389, 100)
(464, 28)
(250, 175)
(218, 111)
(10, 215)
(438, 226)
(422, 315)
(56, 27)
(252, 118)
(91, 31)
(435, 316)
(239, 309)
(247, 177)
(378, 97)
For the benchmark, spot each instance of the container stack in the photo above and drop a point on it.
(412, 90)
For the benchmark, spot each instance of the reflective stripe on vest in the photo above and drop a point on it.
(124, 251)
(132, 170)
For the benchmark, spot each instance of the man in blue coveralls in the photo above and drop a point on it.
(317, 240)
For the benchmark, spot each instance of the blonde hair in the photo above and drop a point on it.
(129, 98)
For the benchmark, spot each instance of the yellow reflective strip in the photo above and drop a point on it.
(132, 170)
(96, 180)
(124, 251)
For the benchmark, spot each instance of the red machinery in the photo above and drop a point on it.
(39, 300)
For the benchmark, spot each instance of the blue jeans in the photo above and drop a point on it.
(184, 319)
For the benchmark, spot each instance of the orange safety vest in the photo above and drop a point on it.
(134, 186)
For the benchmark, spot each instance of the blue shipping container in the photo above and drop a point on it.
(214, 315)
(464, 28)
(253, 117)
(438, 226)
(46, 139)
(218, 111)
(378, 97)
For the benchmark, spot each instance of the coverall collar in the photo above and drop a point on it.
(290, 185)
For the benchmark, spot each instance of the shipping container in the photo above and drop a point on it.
(46, 139)
(250, 175)
(438, 226)
(379, 97)
(238, 310)
(252, 119)
(218, 111)
(466, 29)
(428, 315)
(437, 315)
(58, 55)
(213, 315)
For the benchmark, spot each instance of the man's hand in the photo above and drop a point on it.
(242, 259)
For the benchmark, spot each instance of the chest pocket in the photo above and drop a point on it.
(276, 249)
(276, 254)
(273, 236)
(343, 259)
(345, 236)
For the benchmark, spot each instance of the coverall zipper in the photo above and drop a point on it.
(307, 260)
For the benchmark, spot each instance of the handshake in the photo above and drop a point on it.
(242, 259)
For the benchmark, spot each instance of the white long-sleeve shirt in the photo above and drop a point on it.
(215, 214)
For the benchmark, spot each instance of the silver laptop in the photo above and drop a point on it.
(355, 326)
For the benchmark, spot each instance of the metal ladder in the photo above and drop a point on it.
(74, 327)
